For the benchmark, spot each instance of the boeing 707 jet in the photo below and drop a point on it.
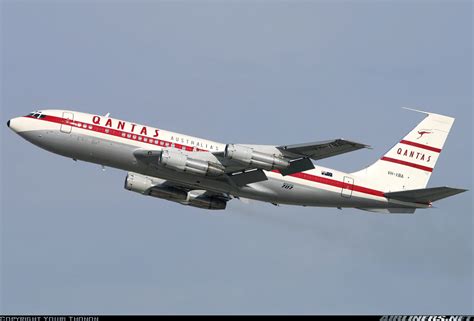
(207, 174)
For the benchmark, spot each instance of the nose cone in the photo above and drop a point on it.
(14, 124)
(11, 124)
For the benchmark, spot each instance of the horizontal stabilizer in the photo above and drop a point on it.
(424, 195)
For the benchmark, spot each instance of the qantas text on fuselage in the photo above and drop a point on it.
(207, 174)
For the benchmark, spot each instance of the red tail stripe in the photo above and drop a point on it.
(433, 149)
(397, 161)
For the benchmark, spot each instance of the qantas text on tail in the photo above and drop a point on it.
(207, 174)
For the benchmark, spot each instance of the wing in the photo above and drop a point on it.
(300, 154)
(319, 150)
(245, 164)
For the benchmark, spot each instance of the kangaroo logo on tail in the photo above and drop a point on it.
(423, 132)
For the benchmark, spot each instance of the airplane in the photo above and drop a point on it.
(207, 174)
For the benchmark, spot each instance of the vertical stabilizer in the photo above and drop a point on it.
(409, 164)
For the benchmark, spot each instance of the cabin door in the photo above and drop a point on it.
(67, 119)
(347, 187)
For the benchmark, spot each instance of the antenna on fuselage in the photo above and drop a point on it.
(107, 115)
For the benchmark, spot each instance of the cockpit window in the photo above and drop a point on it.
(36, 114)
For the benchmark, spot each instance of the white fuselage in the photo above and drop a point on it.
(111, 142)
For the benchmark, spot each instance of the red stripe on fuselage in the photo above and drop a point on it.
(163, 143)
(397, 161)
(332, 182)
(115, 132)
(433, 149)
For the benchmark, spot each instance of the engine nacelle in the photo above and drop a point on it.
(197, 198)
(139, 183)
(182, 163)
(154, 187)
(248, 157)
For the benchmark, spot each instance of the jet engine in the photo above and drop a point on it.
(156, 187)
(197, 198)
(248, 157)
(182, 163)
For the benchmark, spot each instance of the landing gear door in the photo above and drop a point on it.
(347, 187)
(67, 119)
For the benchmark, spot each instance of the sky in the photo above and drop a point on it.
(73, 240)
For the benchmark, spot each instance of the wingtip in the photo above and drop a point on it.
(355, 143)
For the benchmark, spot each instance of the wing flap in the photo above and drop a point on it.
(297, 166)
(248, 177)
(425, 195)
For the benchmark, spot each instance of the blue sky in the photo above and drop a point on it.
(74, 241)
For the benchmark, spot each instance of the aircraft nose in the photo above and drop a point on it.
(13, 124)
